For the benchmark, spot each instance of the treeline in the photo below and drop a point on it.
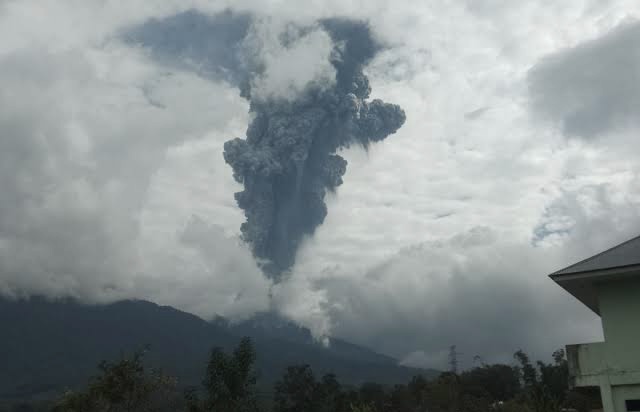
(230, 385)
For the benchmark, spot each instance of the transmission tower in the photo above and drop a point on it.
(453, 359)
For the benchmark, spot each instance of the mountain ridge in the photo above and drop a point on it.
(48, 346)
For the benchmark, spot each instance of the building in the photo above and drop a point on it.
(609, 285)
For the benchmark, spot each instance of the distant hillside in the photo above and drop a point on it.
(48, 346)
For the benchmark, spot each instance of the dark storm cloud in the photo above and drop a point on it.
(592, 88)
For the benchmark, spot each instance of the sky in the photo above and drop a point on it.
(518, 158)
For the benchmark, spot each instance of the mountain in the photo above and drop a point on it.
(270, 326)
(47, 346)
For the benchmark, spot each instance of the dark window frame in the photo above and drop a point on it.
(633, 405)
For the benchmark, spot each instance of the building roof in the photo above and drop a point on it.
(580, 279)
(624, 254)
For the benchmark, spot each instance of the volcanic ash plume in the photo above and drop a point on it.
(288, 160)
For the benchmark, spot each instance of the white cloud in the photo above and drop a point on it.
(481, 291)
(106, 156)
(85, 128)
(292, 67)
(206, 272)
(444, 173)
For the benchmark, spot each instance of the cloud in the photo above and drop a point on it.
(210, 45)
(214, 270)
(385, 270)
(291, 67)
(276, 57)
(473, 291)
(86, 127)
(590, 213)
(591, 89)
(442, 235)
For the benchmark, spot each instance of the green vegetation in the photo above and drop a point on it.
(229, 385)
(121, 386)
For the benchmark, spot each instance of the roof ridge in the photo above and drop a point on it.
(596, 255)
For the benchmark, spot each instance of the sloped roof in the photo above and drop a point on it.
(581, 279)
(625, 254)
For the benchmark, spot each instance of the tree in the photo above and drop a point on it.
(373, 395)
(124, 386)
(418, 391)
(362, 408)
(296, 391)
(229, 381)
(497, 382)
(528, 373)
(445, 393)
(328, 394)
(545, 388)
(555, 376)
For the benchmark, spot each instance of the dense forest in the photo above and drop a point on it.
(229, 384)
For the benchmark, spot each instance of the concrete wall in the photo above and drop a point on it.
(622, 393)
(613, 365)
(620, 311)
(587, 364)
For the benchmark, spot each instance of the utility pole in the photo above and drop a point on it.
(453, 359)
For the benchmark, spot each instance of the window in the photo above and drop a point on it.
(633, 405)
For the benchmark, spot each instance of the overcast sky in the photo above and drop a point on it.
(519, 157)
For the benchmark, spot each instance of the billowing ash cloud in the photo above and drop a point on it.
(208, 45)
(309, 98)
(288, 160)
